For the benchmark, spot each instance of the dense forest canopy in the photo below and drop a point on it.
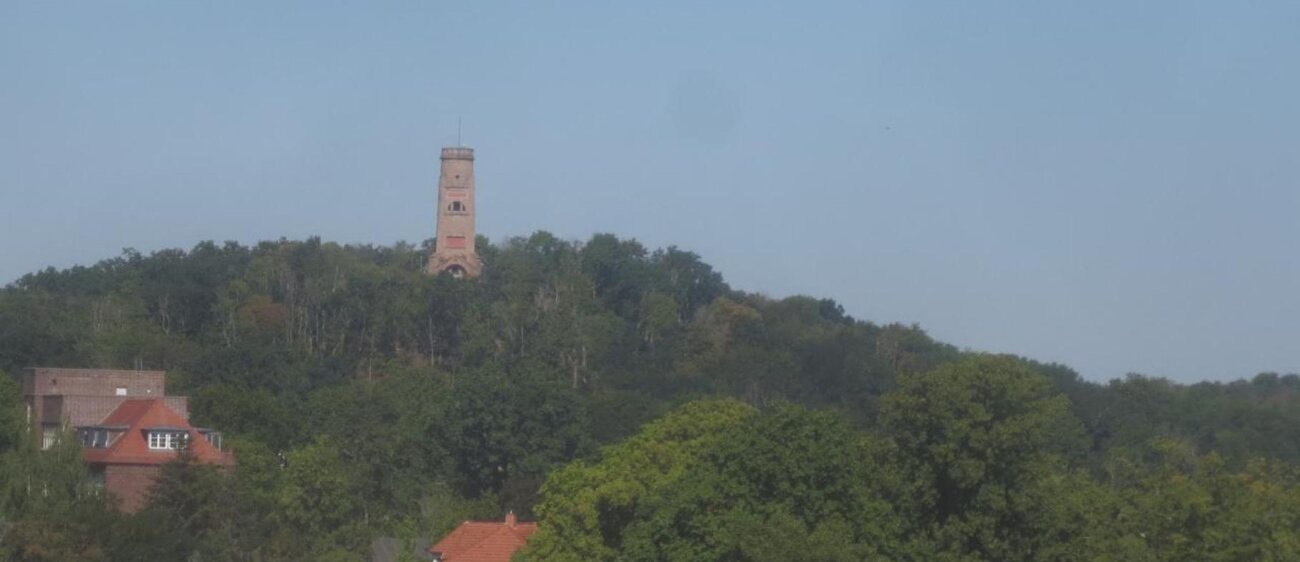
(364, 398)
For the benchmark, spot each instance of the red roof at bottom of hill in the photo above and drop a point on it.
(483, 541)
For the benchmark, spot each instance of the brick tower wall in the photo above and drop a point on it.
(456, 210)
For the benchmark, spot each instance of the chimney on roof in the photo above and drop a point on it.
(510, 519)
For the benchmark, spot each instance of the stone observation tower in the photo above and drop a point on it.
(454, 252)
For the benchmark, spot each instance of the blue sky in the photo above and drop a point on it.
(1110, 185)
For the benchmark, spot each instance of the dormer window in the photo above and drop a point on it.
(99, 436)
(94, 437)
(212, 437)
(166, 439)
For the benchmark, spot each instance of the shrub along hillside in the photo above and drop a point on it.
(365, 398)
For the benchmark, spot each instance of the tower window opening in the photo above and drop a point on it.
(457, 207)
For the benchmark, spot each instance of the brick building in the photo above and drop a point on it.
(69, 398)
(127, 424)
(126, 451)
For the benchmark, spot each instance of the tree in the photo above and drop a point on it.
(255, 413)
(49, 511)
(1175, 505)
(383, 427)
(318, 499)
(12, 424)
(791, 477)
(194, 511)
(500, 428)
(364, 397)
(587, 507)
(973, 446)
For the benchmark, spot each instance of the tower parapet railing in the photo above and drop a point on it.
(457, 153)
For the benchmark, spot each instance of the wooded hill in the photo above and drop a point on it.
(365, 398)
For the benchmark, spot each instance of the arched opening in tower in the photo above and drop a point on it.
(456, 271)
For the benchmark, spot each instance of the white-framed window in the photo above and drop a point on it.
(119, 391)
(166, 440)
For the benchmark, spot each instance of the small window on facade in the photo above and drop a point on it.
(120, 391)
(457, 207)
(49, 436)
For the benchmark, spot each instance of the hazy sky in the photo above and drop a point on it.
(1110, 185)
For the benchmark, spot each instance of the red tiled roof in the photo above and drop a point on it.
(484, 541)
(132, 446)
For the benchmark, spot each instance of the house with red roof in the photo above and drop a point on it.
(126, 451)
(128, 425)
(483, 541)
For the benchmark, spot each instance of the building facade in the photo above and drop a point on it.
(126, 450)
(68, 398)
(454, 251)
(127, 425)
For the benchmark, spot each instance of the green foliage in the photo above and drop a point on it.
(48, 509)
(789, 476)
(1176, 505)
(973, 444)
(318, 496)
(364, 398)
(971, 462)
(442, 508)
(501, 430)
(588, 507)
(195, 511)
(253, 413)
(12, 419)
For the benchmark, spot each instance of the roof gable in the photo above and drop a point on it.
(132, 447)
